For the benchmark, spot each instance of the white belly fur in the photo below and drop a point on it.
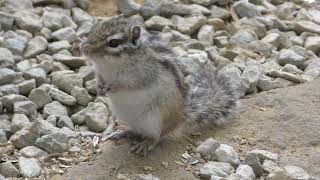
(133, 108)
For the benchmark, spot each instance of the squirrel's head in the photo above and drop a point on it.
(112, 37)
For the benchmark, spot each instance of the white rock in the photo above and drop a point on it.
(246, 172)
(226, 153)
(29, 168)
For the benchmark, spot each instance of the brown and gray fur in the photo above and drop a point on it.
(149, 92)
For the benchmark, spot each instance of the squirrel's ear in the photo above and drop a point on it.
(135, 33)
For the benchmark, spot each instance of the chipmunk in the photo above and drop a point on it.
(146, 86)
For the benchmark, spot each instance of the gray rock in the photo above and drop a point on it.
(9, 100)
(158, 23)
(271, 166)
(288, 56)
(6, 58)
(221, 41)
(260, 47)
(75, 149)
(35, 47)
(285, 75)
(68, 22)
(9, 89)
(82, 96)
(218, 169)
(32, 152)
(24, 65)
(246, 9)
(5, 123)
(65, 121)
(95, 116)
(26, 87)
(29, 168)
(242, 37)
(202, 2)
(3, 136)
(295, 172)
(313, 44)
(251, 24)
(6, 21)
(8, 169)
(18, 5)
(55, 108)
(169, 8)
(58, 46)
(273, 38)
(66, 82)
(220, 13)
(188, 25)
(6, 75)
(250, 78)
(198, 9)
(52, 20)
(246, 172)
(312, 71)
(206, 33)
(128, 7)
(208, 148)
(226, 153)
(25, 107)
(266, 83)
(52, 120)
(291, 69)
(79, 16)
(83, 4)
(28, 21)
(146, 177)
(16, 44)
(70, 133)
(263, 155)
(253, 160)
(71, 61)
(62, 97)
(53, 143)
(91, 86)
(222, 2)
(278, 174)
(39, 74)
(306, 26)
(19, 121)
(65, 34)
(87, 73)
(40, 97)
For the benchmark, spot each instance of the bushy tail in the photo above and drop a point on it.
(211, 98)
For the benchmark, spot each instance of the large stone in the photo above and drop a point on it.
(288, 56)
(37, 73)
(295, 172)
(16, 44)
(188, 25)
(71, 61)
(6, 20)
(246, 9)
(291, 69)
(7, 169)
(9, 100)
(18, 5)
(29, 21)
(52, 20)
(9, 89)
(53, 143)
(62, 97)
(250, 78)
(66, 81)
(81, 94)
(65, 121)
(40, 97)
(65, 34)
(313, 44)
(55, 108)
(306, 26)
(128, 7)
(6, 58)
(95, 116)
(206, 33)
(158, 23)
(208, 148)
(169, 8)
(80, 16)
(6, 75)
(35, 47)
(57, 46)
(260, 47)
(242, 37)
(19, 121)
(219, 169)
(26, 87)
(33, 152)
(266, 83)
(222, 2)
(29, 168)
(226, 153)
(246, 172)
(220, 13)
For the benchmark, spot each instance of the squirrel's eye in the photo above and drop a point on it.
(114, 43)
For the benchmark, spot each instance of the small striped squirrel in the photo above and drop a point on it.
(146, 85)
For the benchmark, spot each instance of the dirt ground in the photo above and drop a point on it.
(105, 7)
(284, 121)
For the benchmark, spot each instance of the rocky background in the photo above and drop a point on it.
(51, 118)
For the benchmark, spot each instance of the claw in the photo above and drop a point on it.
(142, 148)
(121, 134)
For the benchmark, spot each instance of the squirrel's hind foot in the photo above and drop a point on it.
(145, 146)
